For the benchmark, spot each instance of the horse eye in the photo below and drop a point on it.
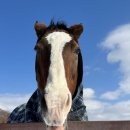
(37, 47)
(77, 51)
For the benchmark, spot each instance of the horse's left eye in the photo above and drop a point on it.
(77, 51)
(38, 47)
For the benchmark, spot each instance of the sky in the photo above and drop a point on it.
(105, 46)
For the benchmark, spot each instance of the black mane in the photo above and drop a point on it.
(60, 25)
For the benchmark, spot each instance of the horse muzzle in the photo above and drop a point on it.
(58, 106)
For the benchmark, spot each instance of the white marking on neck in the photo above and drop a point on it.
(56, 77)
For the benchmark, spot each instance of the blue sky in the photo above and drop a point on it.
(104, 72)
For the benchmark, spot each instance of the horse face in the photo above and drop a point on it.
(56, 71)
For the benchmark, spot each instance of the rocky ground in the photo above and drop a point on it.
(3, 116)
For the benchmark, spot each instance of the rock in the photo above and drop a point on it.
(3, 116)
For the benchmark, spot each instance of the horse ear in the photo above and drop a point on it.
(39, 28)
(76, 30)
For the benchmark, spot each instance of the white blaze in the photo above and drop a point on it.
(56, 75)
(56, 87)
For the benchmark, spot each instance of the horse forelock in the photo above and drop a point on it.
(55, 26)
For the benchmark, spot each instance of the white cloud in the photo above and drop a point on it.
(103, 110)
(118, 45)
(88, 93)
(111, 95)
(10, 101)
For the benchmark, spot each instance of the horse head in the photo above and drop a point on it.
(58, 69)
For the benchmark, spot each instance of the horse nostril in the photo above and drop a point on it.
(54, 121)
(68, 101)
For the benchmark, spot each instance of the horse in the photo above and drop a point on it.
(59, 71)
